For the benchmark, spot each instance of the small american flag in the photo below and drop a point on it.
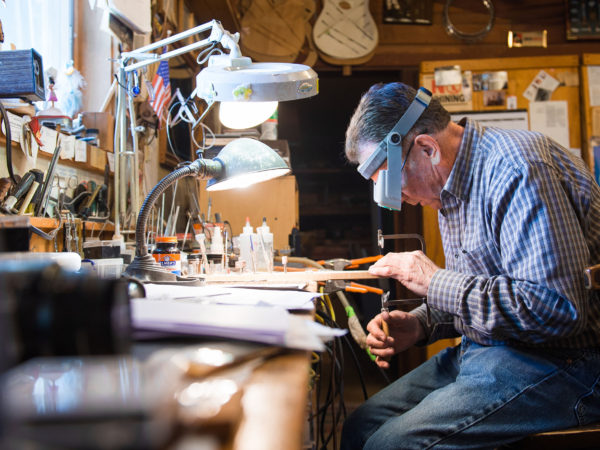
(161, 84)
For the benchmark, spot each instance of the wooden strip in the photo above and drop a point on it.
(290, 277)
(591, 59)
(541, 62)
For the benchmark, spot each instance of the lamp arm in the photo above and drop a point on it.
(218, 35)
(201, 168)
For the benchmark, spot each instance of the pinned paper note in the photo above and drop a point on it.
(49, 139)
(111, 161)
(551, 119)
(447, 75)
(67, 146)
(80, 151)
(456, 97)
(16, 126)
(594, 85)
(541, 88)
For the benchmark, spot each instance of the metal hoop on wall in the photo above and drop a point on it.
(469, 37)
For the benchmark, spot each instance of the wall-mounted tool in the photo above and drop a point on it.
(21, 190)
(27, 200)
(47, 186)
(86, 211)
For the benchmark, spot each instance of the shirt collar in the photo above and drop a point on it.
(461, 176)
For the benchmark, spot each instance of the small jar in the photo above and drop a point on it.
(194, 264)
(167, 254)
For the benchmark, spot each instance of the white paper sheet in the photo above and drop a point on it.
(288, 299)
(269, 325)
(48, 138)
(551, 119)
(67, 146)
(594, 85)
(80, 151)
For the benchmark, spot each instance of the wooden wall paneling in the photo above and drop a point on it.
(277, 200)
(408, 45)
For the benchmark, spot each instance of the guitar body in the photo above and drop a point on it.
(274, 30)
(345, 32)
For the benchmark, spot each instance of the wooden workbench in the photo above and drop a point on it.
(275, 405)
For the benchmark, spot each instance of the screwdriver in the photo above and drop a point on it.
(384, 308)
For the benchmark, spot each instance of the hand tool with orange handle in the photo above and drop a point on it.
(331, 286)
(346, 264)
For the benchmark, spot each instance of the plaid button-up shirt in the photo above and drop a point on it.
(520, 220)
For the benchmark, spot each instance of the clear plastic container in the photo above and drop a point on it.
(107, 267)
(96, 249)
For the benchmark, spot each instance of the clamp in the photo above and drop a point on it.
(385, 303)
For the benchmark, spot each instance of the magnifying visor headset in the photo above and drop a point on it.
(387, 192)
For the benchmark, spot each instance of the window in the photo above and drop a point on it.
(44, 25)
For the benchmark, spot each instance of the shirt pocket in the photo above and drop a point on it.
(479, 256)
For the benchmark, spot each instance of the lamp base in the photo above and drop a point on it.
(146, 269)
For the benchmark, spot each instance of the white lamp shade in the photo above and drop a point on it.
(246, 161)
(242, 115)
(257, 82)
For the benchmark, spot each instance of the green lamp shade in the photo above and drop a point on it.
(246, 161)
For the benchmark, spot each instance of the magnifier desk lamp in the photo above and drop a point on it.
(228, 78)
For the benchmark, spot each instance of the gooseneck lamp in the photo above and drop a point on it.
(240, 163)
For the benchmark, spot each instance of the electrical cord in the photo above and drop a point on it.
(451, 29)
(9, 165)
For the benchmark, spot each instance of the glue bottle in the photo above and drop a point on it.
(265, 242)
(247, 246)
(216, 243)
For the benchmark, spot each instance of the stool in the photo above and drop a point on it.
(572, 438)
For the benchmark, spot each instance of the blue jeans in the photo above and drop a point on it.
(474, 396)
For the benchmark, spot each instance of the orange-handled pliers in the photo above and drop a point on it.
(345, 264)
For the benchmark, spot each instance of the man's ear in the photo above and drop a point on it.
(430, 146)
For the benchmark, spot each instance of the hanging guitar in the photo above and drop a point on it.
(345, 32)
(272, 30)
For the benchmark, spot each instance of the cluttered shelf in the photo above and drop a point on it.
(50, 235)
(97, 158)
(48, 223)
(75, 152)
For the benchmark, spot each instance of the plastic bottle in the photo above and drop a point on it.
(265, 243)
(247, 247)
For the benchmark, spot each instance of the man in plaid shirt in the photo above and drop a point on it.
(520, 220)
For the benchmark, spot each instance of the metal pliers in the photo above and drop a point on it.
(331, 286)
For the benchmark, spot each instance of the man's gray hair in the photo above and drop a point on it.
(378, 111)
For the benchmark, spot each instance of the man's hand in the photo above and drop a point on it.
(405, 331)
(413, 269)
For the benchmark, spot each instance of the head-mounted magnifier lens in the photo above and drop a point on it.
(388, 188)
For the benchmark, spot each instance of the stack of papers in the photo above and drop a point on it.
(258, 315)
(290, 299)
